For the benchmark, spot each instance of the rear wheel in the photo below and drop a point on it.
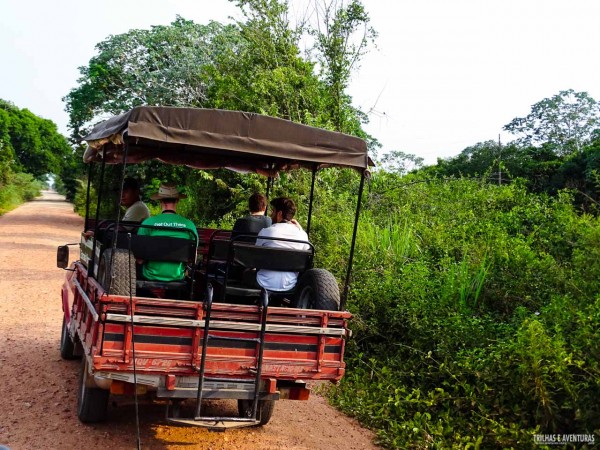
(264, 410)
(123, 279)
(92, 402)
(317, 289)
(68, 348)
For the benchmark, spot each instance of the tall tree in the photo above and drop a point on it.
(264, 72)
(7, 154)
(253, 65)
(400, 162)
(30, 143)
(342, 37)
(565, 121)
(161, 66)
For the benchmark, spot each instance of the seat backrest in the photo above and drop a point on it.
(219, 245)
(219, 250)
(271, 258)
(160, 248)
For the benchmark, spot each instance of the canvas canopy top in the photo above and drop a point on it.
(212, 139)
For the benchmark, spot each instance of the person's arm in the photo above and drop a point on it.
(263, 232)
(296, 223)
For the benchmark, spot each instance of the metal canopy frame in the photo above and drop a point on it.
(270, 170)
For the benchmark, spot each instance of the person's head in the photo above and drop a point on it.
(257, 203)
(131, 192)
(168, 196)
(283, 209)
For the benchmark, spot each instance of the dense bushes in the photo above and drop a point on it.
(30, 150)
(477, 314)
(16, 188)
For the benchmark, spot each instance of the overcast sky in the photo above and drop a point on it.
(446, 74)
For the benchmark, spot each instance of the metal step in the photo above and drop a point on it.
(217, 423)
(241, 394)
(223, 423)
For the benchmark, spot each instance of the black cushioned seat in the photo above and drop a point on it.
(250, 256)
(161, 248)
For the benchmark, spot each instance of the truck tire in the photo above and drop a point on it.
(264, 410)
(67, 346)
(123, 269)
(317, 289)
(92, 402)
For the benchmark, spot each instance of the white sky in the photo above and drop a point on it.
(446, 74)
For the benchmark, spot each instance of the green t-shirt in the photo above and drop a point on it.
(166, 270)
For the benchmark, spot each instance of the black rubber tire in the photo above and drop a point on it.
(123, 267)
(317, 289)
(264, 410)
(92, 403)
(67, 346)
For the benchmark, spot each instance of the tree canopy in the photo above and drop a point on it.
(29, 143)
(30, 149)
(165, 65)
(565, 121)
(253, 65)
(557, 148)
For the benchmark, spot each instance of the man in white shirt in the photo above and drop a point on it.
(137, 211)
(282, 215)
(131, 198)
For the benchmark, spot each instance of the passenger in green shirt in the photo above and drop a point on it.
(169, 196)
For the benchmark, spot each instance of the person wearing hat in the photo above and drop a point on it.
(131, 199)
(174, 226)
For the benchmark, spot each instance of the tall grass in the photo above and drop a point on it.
(17, 189)
(477, 315)
(394, 239)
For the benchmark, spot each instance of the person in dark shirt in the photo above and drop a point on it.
(256, 221)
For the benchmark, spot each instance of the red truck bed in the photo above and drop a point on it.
(299, 344)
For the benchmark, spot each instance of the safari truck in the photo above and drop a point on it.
(208, 336)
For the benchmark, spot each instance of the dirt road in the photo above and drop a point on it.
(38, 389)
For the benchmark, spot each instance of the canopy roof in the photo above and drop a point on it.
(212, 138)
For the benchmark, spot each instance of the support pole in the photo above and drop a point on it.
(125, 152)
(269, 180)
(100, 188)
(310, 203)
(87, 198)
(348, 273)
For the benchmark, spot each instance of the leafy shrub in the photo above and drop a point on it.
(18, 188)
(476, 314)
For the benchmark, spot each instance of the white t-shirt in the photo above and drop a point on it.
(275, 280)
(137, 212)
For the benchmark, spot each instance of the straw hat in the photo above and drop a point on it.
(167, 190)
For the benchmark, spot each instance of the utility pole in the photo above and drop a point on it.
(499, 161)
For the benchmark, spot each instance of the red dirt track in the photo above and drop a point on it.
(38, 389)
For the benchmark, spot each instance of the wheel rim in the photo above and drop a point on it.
(306, 300)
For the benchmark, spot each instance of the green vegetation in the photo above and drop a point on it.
(476, 292)
(557, 147)
(30, 149)
(254, 65)
(473, 322)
